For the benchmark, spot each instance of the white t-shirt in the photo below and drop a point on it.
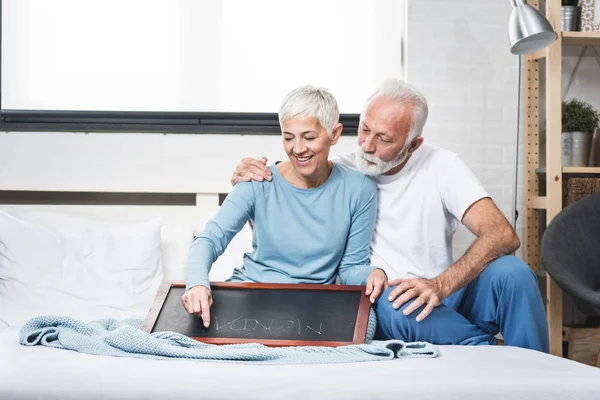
(419, 209)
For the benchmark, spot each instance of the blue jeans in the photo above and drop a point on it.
(504, 298)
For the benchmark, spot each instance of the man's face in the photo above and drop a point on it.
(382, 136)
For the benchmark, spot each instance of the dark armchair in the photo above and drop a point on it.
(571, 254)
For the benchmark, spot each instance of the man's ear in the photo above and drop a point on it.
(336, 132)
(415, 144)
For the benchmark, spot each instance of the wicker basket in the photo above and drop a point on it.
(578, 188)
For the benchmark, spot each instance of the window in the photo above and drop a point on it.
(186, 61)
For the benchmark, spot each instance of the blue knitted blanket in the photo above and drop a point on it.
(124, 338)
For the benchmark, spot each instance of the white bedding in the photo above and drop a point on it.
(485, 372)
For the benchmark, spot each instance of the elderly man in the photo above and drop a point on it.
(424, 193)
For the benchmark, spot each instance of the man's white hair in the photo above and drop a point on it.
(310, 101)
(401, 91)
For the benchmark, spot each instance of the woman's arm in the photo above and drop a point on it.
(237, 208)
(355, 267)
(235, 211)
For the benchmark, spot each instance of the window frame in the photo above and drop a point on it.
(151, 122)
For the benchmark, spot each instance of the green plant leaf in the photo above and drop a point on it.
(579, 116)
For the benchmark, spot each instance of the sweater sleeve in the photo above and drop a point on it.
(355, 266)
(207, 247)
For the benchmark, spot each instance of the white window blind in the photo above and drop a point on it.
(190, 55)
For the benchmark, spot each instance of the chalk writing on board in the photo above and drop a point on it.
(273, 325)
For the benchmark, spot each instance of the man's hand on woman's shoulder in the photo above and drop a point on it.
(251, 169)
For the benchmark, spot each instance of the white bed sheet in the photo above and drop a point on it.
(485, 372)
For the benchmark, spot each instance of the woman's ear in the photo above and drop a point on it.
(336, 132)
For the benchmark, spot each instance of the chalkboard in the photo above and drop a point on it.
(271, 314)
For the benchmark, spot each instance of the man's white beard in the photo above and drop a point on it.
(379, 166)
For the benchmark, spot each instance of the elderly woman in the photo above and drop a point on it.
(311, 222)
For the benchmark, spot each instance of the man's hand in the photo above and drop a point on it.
(425, 291)
(377, 283)
(197, 301)
(251, 169)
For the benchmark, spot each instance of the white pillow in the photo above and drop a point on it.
(61, 265)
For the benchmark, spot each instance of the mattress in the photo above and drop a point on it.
(483, 372)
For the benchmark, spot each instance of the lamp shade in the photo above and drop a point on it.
(528, 29)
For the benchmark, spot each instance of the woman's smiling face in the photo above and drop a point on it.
(307, 145)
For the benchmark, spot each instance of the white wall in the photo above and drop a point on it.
(587, 76)
(458, 54)
(129, 161)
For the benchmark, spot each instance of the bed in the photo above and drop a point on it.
(154, 232)
(459, 373)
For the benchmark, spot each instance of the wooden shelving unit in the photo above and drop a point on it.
(552, 175)
(581, 170)
(575, 170)
(581, 38)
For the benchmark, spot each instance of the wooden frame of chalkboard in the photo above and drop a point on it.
(355, 330)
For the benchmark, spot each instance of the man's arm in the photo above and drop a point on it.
(495, 238)
(464, 198)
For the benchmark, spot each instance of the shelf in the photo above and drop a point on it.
(581, 170)
(581, 38)
(574, 170)
(572, 38)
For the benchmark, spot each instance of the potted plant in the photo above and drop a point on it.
(579, 121)
(570, 15)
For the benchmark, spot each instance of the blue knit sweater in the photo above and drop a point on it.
(299, 235)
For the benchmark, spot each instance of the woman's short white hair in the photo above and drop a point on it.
(401, 91)
(310, 101)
